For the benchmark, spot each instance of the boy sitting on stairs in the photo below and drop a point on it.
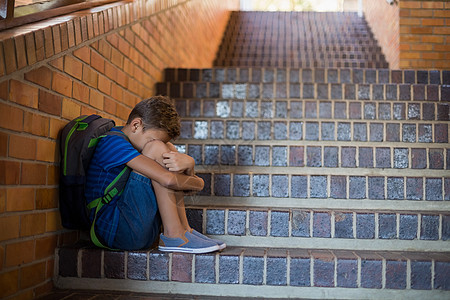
(155, 188)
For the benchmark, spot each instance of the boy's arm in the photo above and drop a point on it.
(153, 170)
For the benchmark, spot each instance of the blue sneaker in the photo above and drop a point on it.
(221, 244)
(189, 243)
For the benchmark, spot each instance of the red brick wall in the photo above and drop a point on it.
(413, 34)
(98, 62)
(424, 34)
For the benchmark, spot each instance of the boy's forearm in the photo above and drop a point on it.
(186, 182)
(172, 180)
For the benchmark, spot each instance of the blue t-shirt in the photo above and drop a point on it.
(110, 157)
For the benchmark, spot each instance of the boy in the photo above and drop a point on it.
(154, 190)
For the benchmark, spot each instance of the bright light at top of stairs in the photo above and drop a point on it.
(296, 5)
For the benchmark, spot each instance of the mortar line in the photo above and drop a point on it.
(79, 262)
(217, 267)
(194, 258)
(408, 274)
(170, 265)
(147, 262)
(376, 225)
(433, 275)
(241, 267)
(102, 264)
(311, 271)
(419, 225)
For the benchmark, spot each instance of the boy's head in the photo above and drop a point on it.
(157, 113)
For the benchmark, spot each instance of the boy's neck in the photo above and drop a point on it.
(126, 129)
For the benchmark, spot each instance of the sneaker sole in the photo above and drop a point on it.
(189, 250)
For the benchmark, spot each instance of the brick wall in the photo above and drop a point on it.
(424, 34)
(413, 34)
(104, 62)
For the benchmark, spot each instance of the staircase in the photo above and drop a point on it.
(325, 172)
(300, 39)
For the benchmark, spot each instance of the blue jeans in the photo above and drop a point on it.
(139, 221)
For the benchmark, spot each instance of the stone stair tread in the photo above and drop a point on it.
(331, 75)
(307, 91)
(259, 267)
(364, 228)
(89, 252)
(310, 132)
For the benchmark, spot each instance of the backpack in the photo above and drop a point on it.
(78, 141)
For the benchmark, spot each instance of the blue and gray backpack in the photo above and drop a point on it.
(78, 141)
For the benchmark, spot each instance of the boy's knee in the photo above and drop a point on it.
(155, 150)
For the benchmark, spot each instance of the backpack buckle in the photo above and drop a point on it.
(108, 197)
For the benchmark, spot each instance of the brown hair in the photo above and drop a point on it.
(157, 112)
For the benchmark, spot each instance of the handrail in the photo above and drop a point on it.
(39, 16)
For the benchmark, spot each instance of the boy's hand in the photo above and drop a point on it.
(179, 162)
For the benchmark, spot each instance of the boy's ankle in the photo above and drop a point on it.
(174, 234)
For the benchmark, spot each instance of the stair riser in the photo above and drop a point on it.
(275, 40)
(363, 134)
(302, 225)
(383, 271)
(312, 111)
(256, 35)
(295, 48)
(281, 185)
(305, 155)
(301, 64)
(249, 47)
(312, 56)
(305, 91)
(381, 76)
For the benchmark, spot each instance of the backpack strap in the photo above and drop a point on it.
(113, 189)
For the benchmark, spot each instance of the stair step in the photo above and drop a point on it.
(273, 37)
(301, 56)
(327, 45)
(308, 75)
(248, 46)
(406, 134)
(302, 64)
(293, 47)
(255, 36)
(270, 272)
(369, 159)
(293, 91)
(311, 110)
(299, 64)
(391, 227)
(320, 185)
